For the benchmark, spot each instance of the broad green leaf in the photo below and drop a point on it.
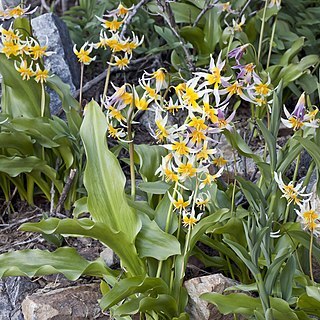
(80, 206)
(286, 278)
(184, 13)
(103, 177)
(276, 111)
(157, 187)
(150, 159)
(309, 304)
(116, 240)
(313, 292)
(239, 303)
(292, 52)
(195, 36)
(127, 287)
(18, 141)
(32, 263)
(14, 166)
(312, 148)
(20, 98)
(153, 242)
(212, 29)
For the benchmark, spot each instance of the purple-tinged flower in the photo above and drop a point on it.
(298, 118)
(238, 52)
(245, 72)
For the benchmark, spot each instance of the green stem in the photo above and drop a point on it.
(310, 256)
(233, 209)
(262, 29)
(43, 100)
(168, 224)
(309, 173)
(81, 85)
(271, 41)
(106, 84)
(131, 155)
(230, 268)
(295, 174)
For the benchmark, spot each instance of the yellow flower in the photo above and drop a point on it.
(83, 54)
(181, 148)
(113, 25)
(180, 203)
(189, 219)
(41, 75)
(198, 124)
(220, 161)
(25, 71)
(11, 48)
(187, 170)
(121, 63)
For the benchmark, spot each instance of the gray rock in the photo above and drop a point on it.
(12, 291)
(5, 305)
(63, 62)
(9, 3)
(73, 303)
(200, 309)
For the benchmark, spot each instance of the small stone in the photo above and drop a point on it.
(109, 257)
(200, 309)
(63, 62)
(73, 303)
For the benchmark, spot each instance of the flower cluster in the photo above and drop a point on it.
(28, 50)
(16, 12)
(293, 194)
(111, 37)
(194, 157)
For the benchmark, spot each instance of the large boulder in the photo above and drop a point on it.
(73, 303)
(51, 30)
(200, 309)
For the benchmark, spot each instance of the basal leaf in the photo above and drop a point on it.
(103, 177)
(36, 262)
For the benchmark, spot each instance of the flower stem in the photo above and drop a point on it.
(262, 29)
(81, 85)
(271, 41)
(310, 256)
(168, 223)
(131, 154)
(106, 84)
(43, 100)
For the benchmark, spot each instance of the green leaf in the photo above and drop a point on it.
(212, 29)
(80, 206)
(18, 141)
(292, 52)
(157, 187)
(312, 148)
(150, 158)
(239, 303)
(271, 143)
(14, 166)
(127, 287)
(103, 177)
(21, 98)
(153, 242)
(118, 241)
(286, 278)
(32, 263)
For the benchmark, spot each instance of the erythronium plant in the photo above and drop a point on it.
(187, 190)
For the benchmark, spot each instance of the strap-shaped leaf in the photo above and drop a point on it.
(36, 262)
(116, 240)
(103, 177)
(127, 287)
